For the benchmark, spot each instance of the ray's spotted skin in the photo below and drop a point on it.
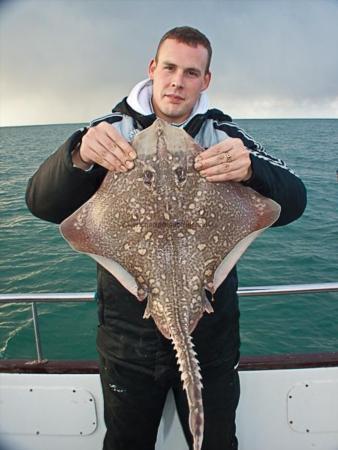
(167, 234)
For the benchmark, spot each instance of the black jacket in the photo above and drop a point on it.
(57, 189)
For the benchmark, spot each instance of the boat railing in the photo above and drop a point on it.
(255, 291)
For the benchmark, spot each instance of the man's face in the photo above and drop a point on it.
(178, 79)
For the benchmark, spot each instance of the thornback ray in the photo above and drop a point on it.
(167, 235)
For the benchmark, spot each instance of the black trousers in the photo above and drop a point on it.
(134, 401)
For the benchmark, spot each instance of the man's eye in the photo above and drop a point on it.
(192, 73)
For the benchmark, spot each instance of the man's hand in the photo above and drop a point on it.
(105, 146)
(228, 160)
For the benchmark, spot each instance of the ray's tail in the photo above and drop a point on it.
(191, 378)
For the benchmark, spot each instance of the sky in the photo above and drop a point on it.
(72, 61)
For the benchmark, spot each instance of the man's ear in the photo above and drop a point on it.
(206, 81)
(151, 69)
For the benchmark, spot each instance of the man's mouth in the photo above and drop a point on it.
(174, 98)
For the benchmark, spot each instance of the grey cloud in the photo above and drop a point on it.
(87, 55)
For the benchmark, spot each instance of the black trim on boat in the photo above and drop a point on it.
(267, 362)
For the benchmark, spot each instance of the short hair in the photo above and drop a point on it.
(190, 36)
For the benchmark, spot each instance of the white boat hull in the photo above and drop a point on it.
(286, 409)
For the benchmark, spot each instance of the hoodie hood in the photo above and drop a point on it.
(139, 100)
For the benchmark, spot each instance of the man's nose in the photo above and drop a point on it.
(177, 80)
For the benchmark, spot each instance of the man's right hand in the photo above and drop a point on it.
(105, 146)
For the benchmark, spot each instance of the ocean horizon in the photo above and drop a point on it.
(235, 119)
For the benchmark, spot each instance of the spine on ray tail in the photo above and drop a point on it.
(191, 378)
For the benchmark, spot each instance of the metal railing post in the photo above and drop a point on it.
(36, 331)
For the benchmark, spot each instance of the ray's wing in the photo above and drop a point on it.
(226, 218)
(107, 228)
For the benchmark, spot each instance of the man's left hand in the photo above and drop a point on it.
(228, 160)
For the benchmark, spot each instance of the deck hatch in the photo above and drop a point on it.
(47, 411)
(313, 407)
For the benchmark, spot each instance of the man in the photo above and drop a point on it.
(137, 364)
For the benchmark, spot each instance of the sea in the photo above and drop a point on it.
(36, 259)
